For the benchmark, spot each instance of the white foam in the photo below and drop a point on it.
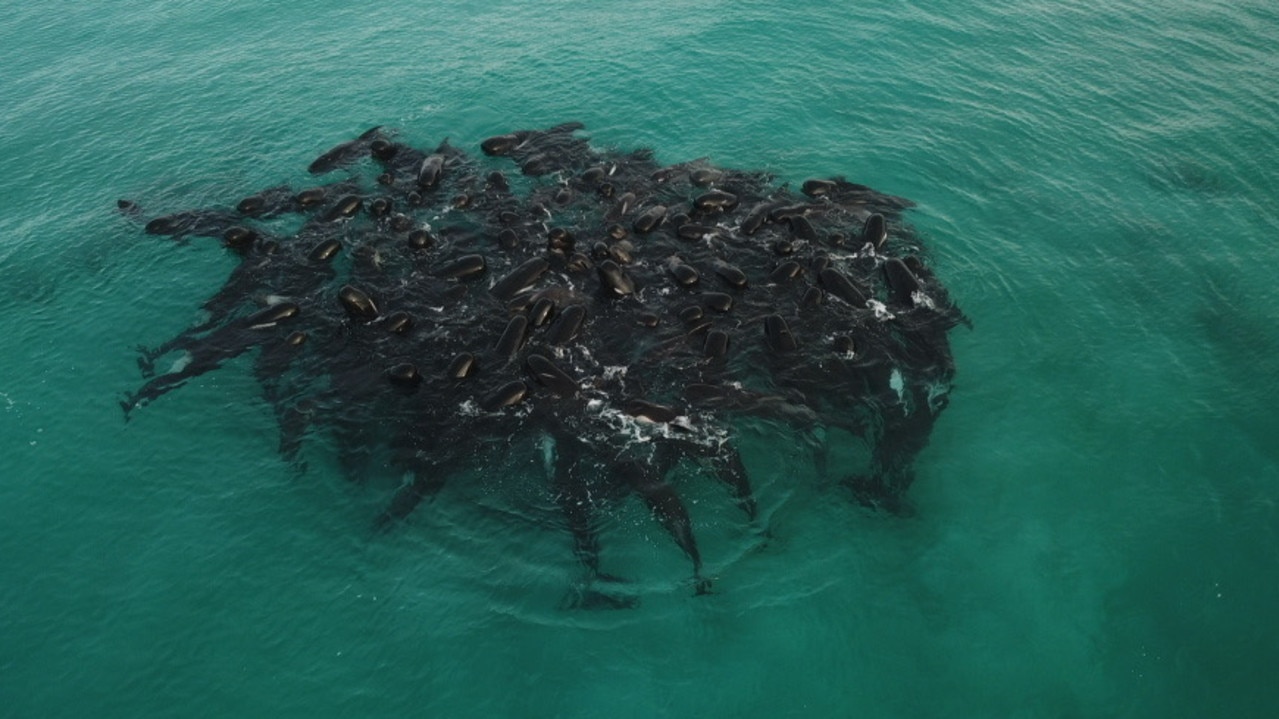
(922, 300)
(937, 391)
(881, 311)
(548, 454)
(623, 432)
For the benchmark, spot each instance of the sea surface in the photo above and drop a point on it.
(1095, 526)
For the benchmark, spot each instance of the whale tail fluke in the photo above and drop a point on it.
(589, 597)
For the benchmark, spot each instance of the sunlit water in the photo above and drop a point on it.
(1095, 529)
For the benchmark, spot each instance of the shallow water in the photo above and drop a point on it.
(1096, 529)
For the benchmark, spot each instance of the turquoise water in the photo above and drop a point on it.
(1096, 527)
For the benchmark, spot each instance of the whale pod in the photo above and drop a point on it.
(604, 234)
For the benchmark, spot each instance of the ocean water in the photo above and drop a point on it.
(1096, 520)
